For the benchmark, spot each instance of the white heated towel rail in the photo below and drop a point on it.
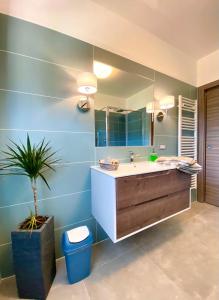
(187, 131)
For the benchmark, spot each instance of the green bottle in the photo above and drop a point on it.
(153, 156)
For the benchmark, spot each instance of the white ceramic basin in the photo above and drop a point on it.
(129, 169)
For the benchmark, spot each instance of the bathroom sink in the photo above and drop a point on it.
(128, 169)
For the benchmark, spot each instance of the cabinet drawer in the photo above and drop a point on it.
(132, 190)
(139, 216)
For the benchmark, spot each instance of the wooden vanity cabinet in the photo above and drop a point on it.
(125, 205)
(142, 200)
(136, 189)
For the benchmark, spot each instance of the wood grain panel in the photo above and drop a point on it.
(139, 216)
(133, 190)
(212, 146)
(202, 120)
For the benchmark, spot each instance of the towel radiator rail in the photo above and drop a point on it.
(187, 130)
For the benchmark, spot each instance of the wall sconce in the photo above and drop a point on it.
(155, 107)
(167, 102)
(87, 83)
(83, 104)
(160, 116)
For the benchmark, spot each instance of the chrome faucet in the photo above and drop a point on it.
(131, 156)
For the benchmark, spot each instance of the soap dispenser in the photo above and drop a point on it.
(153, 156)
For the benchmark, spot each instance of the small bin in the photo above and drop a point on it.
(77, 248)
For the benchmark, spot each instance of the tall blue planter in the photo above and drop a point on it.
(34, 260)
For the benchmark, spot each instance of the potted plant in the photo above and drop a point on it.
(33, 242)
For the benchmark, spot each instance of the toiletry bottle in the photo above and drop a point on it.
(153, 156)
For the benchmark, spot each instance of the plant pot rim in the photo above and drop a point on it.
(35, 230)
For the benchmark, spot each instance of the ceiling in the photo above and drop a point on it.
(189, 25)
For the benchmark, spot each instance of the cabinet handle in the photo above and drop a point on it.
(148, 201)
(152, 176)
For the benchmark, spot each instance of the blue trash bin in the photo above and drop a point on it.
(77, 248)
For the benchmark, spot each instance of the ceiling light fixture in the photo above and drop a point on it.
(101, 70)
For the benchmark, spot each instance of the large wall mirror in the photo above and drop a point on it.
(120, 104)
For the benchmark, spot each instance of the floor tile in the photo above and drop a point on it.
(176, 259)
(75, 291)
(132, 276)
(8, 289)
(189, 263)
(107, 251)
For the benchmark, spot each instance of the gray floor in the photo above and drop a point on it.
(177, 259)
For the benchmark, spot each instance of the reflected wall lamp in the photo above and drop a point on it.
(167, 102)
(155, 107)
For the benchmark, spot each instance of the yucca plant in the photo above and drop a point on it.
(31, 160)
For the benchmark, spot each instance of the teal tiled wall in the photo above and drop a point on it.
(138, 128)
(100, 128)
(37, 95)
(166, 131)
(117, 130)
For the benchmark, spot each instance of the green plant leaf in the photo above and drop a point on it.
(31, 160)
(44, 179)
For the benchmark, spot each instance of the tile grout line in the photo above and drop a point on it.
(57, 229)
(136, 246)
(74, 163)
(35, 94)
(48, 131)
(166, 274)
(95, 230)
(167, 135)
(86, 289)
(71, 68)
(5, 244)
(41, 60)
(72, 224)
(67, 163)
(45, 199)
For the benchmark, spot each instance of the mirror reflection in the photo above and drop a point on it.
(120, 107)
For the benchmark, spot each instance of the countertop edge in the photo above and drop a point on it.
(115, 174)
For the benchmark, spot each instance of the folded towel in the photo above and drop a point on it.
(184, 164)
(190, 169)
(177, 159)
(188, 160)
(167, 159)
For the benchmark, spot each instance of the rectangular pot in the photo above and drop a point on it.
(34, 260)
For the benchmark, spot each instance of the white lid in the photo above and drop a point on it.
(78, 234)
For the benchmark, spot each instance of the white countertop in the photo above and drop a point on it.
(129, 169)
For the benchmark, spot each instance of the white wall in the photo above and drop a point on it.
(103, 100)
(208, 68)
(95, 24)
(136, 101)
(140, 99)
